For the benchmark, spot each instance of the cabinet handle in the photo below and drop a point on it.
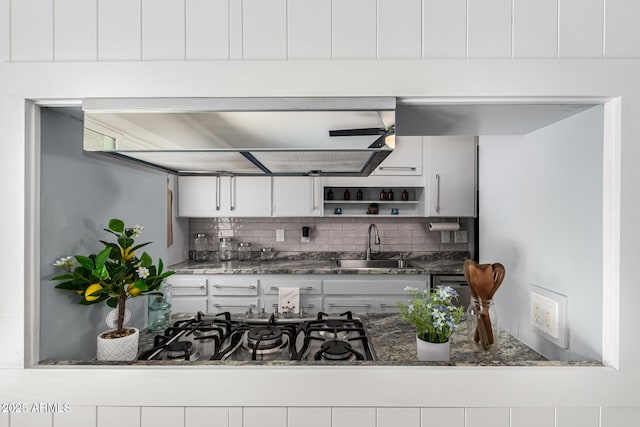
(307, 288)
(235, 305)
(235, 287)
(232, 193)
(188, 287)
(349, 305)
(302, 306)
(397, 168)
(218, 189)
(313, 194)
(437, 193)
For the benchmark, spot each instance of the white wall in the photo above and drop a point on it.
(541, 216)
(179, 249)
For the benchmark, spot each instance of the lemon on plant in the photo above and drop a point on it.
(127, 254)
(90, 290)
(133, 291)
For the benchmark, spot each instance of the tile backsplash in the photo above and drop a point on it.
(330, 234)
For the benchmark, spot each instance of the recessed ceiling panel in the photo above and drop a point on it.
(326, 162)
(200, 162)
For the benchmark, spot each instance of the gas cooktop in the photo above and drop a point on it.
(334, 338)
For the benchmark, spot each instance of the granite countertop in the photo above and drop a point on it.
(323, 263)
(394, 342)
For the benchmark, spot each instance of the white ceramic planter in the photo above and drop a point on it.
(119, 348)
(433, 352)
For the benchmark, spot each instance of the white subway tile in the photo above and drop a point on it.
(622, 32)
(445, 29)
(399, 29)
(354, 29)
(31, 31)
(31, 419)
(392, 417)
(119, 32)
(120, 416)
(577, 417)
(309, 417)
(162, 417)
(197, 417)
(487, 417)
(620, 417)
(264, 417)
(581, 28)
(353, 417)
(79, 416)
(309, 29)
(535, 28)
(76, 30)
(532, 417)
(489, 29)
(207, 29)
(442, 417)
(264, 29)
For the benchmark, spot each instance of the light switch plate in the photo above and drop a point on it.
(548, 315)
(445, 237)
(460, 236)
(279, 235)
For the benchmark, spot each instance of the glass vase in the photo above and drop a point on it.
(482, 324)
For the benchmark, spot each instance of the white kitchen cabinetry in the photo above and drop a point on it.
(297, 196)
(451, 176)
(189, 293)
(310, 292)
(236, 294)
(406, 158)
(224, 196)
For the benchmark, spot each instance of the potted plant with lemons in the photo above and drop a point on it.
(113, 276)
(435, 317)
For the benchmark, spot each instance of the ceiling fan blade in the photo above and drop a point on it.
(358, 132)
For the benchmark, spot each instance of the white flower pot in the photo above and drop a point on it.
(125, 348)
(432, 351)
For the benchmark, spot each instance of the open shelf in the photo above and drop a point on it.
(371, 196)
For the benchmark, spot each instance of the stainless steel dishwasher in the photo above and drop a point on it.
(457, 282)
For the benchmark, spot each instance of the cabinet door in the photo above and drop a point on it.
(197, 196)
(218, 304)
(297, 196)
(451, 176)
(248, 196)
(356, 304)
(181, 304)
(309, 304)
(406, 158)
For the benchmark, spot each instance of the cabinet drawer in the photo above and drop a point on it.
(181, 285)
(189, 304)
(354, 304)
(310, 304)
(389, 304)
(222, 286)
(232, 304)
(307, 287)
(373, 285)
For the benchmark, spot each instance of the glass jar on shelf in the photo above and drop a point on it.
(244, 251)
(482, 324)
(226, 249)
(266, 254)
(201, 246)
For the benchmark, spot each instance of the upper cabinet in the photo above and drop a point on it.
(406, 158)
(451, 176)
(297, 196)
(224, 196)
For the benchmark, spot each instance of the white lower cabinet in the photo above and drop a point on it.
(310, 292)
(236, 305)
(264, 417)
(189, 293)
(308, 417)
(235, 294)
(353, 417)
(355, 303)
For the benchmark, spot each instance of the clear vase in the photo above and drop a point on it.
(482, 324)
(433, 351)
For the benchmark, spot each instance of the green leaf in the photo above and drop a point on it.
(112, 302)
(63, 277)
(86, 262)
(102, 257)
(160, 265)
(125, 242)
(139, 246)
(101, 273)
(145, 260)
(84, 301)
(116, 225)
(70, 286)
(141, 284)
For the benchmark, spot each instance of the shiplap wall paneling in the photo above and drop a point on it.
(207, 29)
(535, 28)
(354, 29)
(31, 419)
(487, 417)
(309, 417)
(399, 29)
(444, 29)
(5, 36)
(75, 30)
(235, 417)
(264, 29)
(265, 417)
(235, 29)
(163, 36)
(162, 417)
(119, 416)
(489, 29)
(442, 417)
(32, 30)
(577, 417)
(197, 417)
(581, 28)
(353, 417)
(119, 30)
(532, 417)
(79, 416)
(622, 32)
(309, 29)
(4, 419)
(620, 417)
(393, 417)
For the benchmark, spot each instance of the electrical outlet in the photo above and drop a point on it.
(544, 314)
(445, 237)
(460, 236)
(279, 235)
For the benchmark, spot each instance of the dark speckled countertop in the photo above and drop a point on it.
(321, 263)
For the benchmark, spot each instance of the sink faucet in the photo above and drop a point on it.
(369, 240)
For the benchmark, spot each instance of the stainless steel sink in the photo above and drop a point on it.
(374, 263)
